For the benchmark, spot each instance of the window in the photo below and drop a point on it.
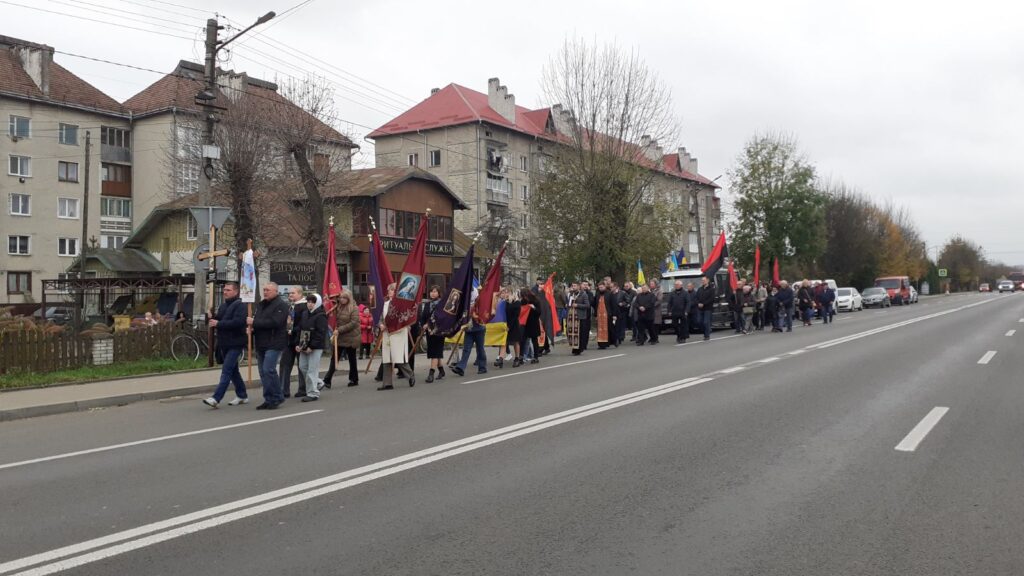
(116, 173)
(68, 134)
(116, 207)
(67, 246)
(67, 208)
(526, 221)
(435, 157)
(19, 204)
(414, 159)
(524, 193)
(524, 164)
(67, 171)
(118, 137)
(18, 245)
(20, 127)
(19, 282)
(20, 166)
(188, 177)
(114, 242)
(542, 163)
(191, 227)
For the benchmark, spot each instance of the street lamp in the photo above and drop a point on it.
(261, 20)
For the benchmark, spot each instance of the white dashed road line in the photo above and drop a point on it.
(732, 370)
(909, 444)
(987, 357)
(1011, 332)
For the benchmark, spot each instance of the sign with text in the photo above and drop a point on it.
(943, 272)
(404, 245)
(293, 273)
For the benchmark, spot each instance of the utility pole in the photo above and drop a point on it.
(85, 232)
(700, 233)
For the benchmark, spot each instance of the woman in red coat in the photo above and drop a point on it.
(366, 330)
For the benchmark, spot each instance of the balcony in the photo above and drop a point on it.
(499, 191)
(118, 154)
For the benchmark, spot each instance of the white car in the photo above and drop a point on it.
(848, 300)
(1005, 286)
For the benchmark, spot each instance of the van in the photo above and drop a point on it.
(721, 315)
(898, 288)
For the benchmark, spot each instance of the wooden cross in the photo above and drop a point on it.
(213, 252)
(248, 246)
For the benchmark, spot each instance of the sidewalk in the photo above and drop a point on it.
(17, 404)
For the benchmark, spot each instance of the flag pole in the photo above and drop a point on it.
(248, 246)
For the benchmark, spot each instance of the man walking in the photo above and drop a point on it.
(296, 309)
(706, 304)
(785, 299)
(646, 302)
(474, 335)
(230, 324)
(825, 302)
(679, 307)
(269, 326)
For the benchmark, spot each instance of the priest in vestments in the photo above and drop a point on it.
(605, 317)
(577, 329)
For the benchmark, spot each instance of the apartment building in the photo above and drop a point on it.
(49, 112)
(491, 152)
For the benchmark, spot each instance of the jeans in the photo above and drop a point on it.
(788, 320)
(705, 320)
(309, 364)
(229, 374)
(474, 338)
(267, 362)
(288, 361)
(826, 313)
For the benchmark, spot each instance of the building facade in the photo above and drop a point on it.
(491, 153)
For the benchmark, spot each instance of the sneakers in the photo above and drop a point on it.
(310, 398)
(211, 402)
(238, 401)
(319, 385)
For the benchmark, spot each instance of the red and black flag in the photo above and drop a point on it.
(717, 259)
(733, 282)
(332, 281)
(757, 267)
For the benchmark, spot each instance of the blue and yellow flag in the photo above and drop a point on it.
(640, 273)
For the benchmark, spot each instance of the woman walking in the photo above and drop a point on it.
(348, 333)
(312, 340)
(435, 342)
(529, 316)
(514, 336)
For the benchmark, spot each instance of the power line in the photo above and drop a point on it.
(94, 20)
(201, 11)
(118, 11)
(148, 7)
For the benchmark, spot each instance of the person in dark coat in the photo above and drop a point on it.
(289, 358)
(514, 336)
(545, 316)
(679, 308)
(646, 302)
(532, 326)
(269, 326)
(771, 309)
(736, 305)
(578, 321)
(347, 336)
(705, 304)
(805, 300)
(786, 304)
(312, 342)
(694, 312)
(435, 342)
(826, 298)
(230, 323)
(626, 310)
(620, 313)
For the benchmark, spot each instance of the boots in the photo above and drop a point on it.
(430, 376)
(517, 362)
(440, 372)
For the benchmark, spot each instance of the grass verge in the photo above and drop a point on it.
(96, 373)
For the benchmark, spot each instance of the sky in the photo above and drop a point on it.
(916, 103)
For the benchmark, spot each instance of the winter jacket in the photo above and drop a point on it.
(531, 329)
(366, 327)
(296, 311)
(315, 323)
(231, 325)
(679, 302)
(270, 325)
(785, 297)
(347, 326)
(625, 302)
(582, 304)
(706, 296)
(805, 298)
(648, 301)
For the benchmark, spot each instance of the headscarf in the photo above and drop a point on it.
(319, 302)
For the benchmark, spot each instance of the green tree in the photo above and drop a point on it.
(963, 259)
(778, 205)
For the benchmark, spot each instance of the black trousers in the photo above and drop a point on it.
(289, 359)
(682, 326)
(584, 333)
(646, 329)
(353, 370)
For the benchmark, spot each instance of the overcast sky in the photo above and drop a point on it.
(919, 103)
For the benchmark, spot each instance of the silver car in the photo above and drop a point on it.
(875, 296)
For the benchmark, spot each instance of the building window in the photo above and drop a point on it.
(694, 246)
(114, 242)
(20, 166)
(440, 228)
(20, 127)
(191, 227)
(435, 158)
(19, 204)
(117, 137)
(68, 134)
(67, 246)
(524, 164)
(67, 208)
(525, 221)
(188, 178)
(414, 159)
(115, 173)
(116, 207)
(18, 245)
(67, 171)
(19, 282)
(524, 193)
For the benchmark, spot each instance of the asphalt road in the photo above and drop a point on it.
(887, 443)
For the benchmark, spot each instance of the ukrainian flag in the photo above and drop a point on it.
(640, 273)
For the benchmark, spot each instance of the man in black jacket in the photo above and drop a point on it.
(289, 358)
(269, 326)
(231, 343)
(706, 304)
(785, 299)
(679, 307)
(646, 302)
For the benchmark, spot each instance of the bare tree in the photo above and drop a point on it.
(596, 211)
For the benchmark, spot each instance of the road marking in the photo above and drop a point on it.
(151, 440)
(520, 373)
(909, 444)
(987, 357)
(1011, 332)
(769, 359)
(796, 352)
(1021, 321)
(708, 341)
(121, 542)
(732, 370)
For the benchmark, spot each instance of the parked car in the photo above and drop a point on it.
(58, 314)
(898, 288)
(848, 300)
(876, 296)
(1005, 286)
(984, 287)
(913, 295)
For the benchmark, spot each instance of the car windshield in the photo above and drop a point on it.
(844, 292)
(888, 283)
(873, 291)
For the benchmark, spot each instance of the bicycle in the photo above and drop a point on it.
(185, 346)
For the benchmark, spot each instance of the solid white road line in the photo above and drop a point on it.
(1011, 332)
(151, 440)
(909, 444)
(769, 359)
(522, 372)
(126, 541)
(987, 357)
(702, 341)
(732, 370)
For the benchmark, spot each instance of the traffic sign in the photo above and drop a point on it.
(943, 272)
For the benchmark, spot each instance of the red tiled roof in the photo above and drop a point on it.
(65, 87)
(671, 166)
(179, 88)
(454, 105)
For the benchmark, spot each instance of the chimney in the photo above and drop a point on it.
(650, 149)
(232, 85)
(686, 162)
(565, 123)
(500, 100)
(434, 91)
(36, 59)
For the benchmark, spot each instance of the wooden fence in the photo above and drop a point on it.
(37, 351)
